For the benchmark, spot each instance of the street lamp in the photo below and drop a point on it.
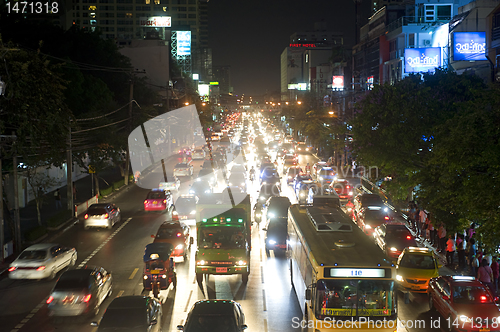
(330, 112)
(186, 103)
(299, 102)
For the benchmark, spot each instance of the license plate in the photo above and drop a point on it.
(155, 271)
(155, 202)
(415, 287)
(221, 269)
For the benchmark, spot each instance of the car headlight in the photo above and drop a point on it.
(180, 246)
(202, 262)
(192, 212)
(262, 198)
(465, 319)
(243, 183)
(175, 213)
(350, 193)
(191, 191)
(393, 249)
(271, 215)
(368, 227)
(272, 242)
(207, 191)
(321, 178)
(399, 278)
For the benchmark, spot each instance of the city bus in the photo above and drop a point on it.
(343, 281)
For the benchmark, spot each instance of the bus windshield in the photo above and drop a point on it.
(343, 299)
(222, 238)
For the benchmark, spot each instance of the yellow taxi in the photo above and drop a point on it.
(414, 268)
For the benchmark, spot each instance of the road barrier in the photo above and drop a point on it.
(81, 208)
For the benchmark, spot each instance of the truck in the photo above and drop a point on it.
(223, 236)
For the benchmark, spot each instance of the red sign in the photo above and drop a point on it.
(302, 45)
(338, 82)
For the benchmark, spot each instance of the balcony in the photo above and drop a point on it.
(415, 21)
(495, 33)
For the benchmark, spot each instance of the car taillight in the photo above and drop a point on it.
(483, 298)
(41, 268)
(164, 201)
(86, 216)
(386, 218)
(408, 237)
(86, 299)
(49, 300)
(12, 268)
(179, 234)
(106, 216)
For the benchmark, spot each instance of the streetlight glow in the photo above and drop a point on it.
(330, 112)
(299, 102)
(186, 103)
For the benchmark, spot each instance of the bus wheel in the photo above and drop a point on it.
(199, 278)
(244, 277)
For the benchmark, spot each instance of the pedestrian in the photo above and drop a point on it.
(474, 265)
(411, 214)
(442, 237)
(485, 275)
(471, 231)
(461, 251)
(471, 244)
(450, 250)
(495, 268)
(57, 197)
(417, 219)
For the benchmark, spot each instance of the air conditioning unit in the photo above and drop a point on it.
(427, 42)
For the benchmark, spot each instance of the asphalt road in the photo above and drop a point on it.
(268, 300)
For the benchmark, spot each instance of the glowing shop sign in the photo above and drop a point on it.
(422, 59)
(183, 42)
(156, 21)
(469, 46)
(357, 273)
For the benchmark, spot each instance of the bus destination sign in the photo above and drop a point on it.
(354, 273)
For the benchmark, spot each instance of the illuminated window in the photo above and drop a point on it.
(92, 7)
(165, 9)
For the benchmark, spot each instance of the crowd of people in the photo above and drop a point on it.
(471, 259)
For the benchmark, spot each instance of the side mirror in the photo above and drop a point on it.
(94, 324)
(153, 322)
(446, 297)
(191, 241)
(308, 294)
(244, 327)
(180, 327)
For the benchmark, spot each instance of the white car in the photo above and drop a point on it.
(183, 169)
(41, 261)
(171, 185)
(198, 154)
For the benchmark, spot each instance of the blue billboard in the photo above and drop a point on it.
(422, 59)
(469, 46)
(183, 42)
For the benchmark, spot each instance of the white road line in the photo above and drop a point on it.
(82, 264)
(188, 300)
(265, 324)
(133, 273)
(120, 293)
(262, 274)
(264, 300)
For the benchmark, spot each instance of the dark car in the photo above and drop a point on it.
(465, 302)
(214, 315)
(132, 314)
(364, 200)
(326, 176)
(276, 206)
(200, 188)
(271, 176)
(185, 207)
(80, 292)
(393, 239)
(267, 190)
(209, 175)
(177, 234)
(276, 234)
(371, 217)
(267, 166)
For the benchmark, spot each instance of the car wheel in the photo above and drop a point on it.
(52, 274)
(431, 303)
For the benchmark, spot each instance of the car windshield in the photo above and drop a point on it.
(181, 166)
(378, 215)
(471, 295)
(293, 171)
(33, 254)
(348, 298)
(156, 195)
(203, 323)
(222, 237)
(169, 233)
(417, 262)
(371, 200)
(95, 211)
(72, 282)
(324, 172)
(123, 318)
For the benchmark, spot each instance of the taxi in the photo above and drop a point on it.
(414, 268)
(465, 303)
(158, 200)
(177, 234)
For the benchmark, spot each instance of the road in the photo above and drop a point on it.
(268, 300)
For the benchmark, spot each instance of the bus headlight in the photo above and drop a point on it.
(399, 278)
(272, 242)
(202, 262)
(393, 249)
(242, 263)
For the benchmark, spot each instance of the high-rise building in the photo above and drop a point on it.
(222, 74)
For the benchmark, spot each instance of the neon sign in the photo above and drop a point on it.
(302, 45)
(183, 42)
(422, 59)
(469, 46)
(156, 21)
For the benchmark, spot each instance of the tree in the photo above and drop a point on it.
(39, 182)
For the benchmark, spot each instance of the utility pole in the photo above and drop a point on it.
(127, 158)
(69, 173)
(17, 219)
(2, 235)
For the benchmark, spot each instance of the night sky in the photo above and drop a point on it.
(251, 35)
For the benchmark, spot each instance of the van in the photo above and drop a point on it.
(323, 197)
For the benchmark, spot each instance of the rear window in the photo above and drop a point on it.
(375, 214)
(371, 199)
(417, 262)
(180, 166)
(169, 233)
(324, 172)
(123, 318)
(33, 254)
(156, 195)
(72, 282)
(96, 210)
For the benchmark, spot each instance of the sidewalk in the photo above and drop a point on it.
(28, 214)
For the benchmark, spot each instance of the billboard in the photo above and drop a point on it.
(156, 22)
(338, 82)
(422, 59)
(298, 86)
(183, 42)
(469, 46)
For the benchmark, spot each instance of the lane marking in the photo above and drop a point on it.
(265, 324)
(262, 274)
(133, 273)
(188, 300)
(264, 300)
(120, 293)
